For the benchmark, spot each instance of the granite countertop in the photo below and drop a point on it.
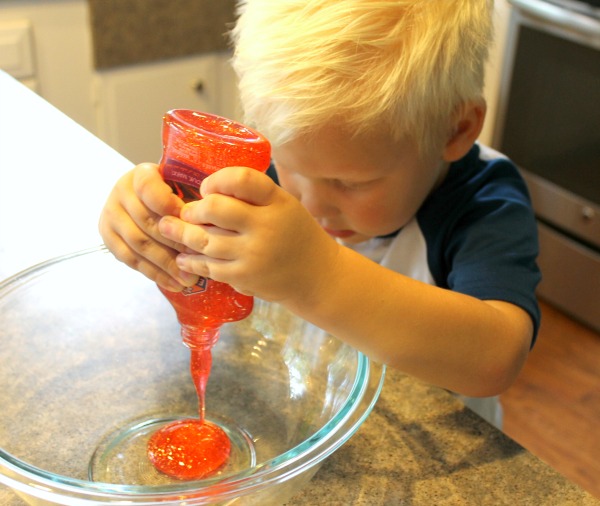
(421, 446)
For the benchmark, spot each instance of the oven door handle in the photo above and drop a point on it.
(563, 18)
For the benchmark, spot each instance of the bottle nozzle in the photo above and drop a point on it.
(199, 337)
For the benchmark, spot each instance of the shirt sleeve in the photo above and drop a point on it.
(487, 245)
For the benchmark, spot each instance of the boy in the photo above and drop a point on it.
(390, 227)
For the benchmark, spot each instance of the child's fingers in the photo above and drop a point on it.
(223, 211)
(149, 186)
(243, 183)
(146, 222)
(139, 196)
(195, 263)
(129, 227)
(208, 240)
(139, 251)
(208, 267)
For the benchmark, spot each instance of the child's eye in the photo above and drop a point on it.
(350, 185)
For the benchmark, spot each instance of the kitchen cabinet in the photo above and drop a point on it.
(51, 52)
(50, 46)
(130, 101)
(16, 51)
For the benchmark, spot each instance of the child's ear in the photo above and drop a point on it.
(467, 127)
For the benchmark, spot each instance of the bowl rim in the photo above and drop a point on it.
(33, 481)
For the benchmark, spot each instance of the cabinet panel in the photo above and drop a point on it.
(51, 46)
(16, 52)
(131, 101)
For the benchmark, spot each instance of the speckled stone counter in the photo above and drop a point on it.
(127, 32)
(421, 446)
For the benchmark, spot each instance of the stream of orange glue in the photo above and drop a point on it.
(191, 449)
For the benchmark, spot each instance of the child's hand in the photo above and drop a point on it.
(129, 226)
(253, 235)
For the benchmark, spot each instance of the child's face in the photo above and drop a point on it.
(357, 188)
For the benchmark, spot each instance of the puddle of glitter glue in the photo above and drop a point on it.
(191, 449)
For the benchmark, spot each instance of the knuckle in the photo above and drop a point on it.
(142, 177)
(142, 244)
(150, 224)
(154, 274)
(202, 268)
(210, 205)
(108, 218)
(124, 185)
(171, 268)
(244, 175)
(103, 229)
(125, 255)
(196, 239)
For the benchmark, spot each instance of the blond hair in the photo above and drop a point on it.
(404, 66)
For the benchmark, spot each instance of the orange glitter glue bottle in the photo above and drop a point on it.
(196, 144)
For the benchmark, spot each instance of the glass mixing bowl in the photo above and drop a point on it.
(91, 363)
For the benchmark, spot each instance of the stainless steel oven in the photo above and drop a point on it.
(548, 122)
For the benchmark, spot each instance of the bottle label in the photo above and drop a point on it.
(179, 172)
(183, 179)
(199, 287)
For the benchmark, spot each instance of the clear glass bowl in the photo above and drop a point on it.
(92, 362)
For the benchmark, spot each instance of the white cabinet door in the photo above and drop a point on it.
(131, 101)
